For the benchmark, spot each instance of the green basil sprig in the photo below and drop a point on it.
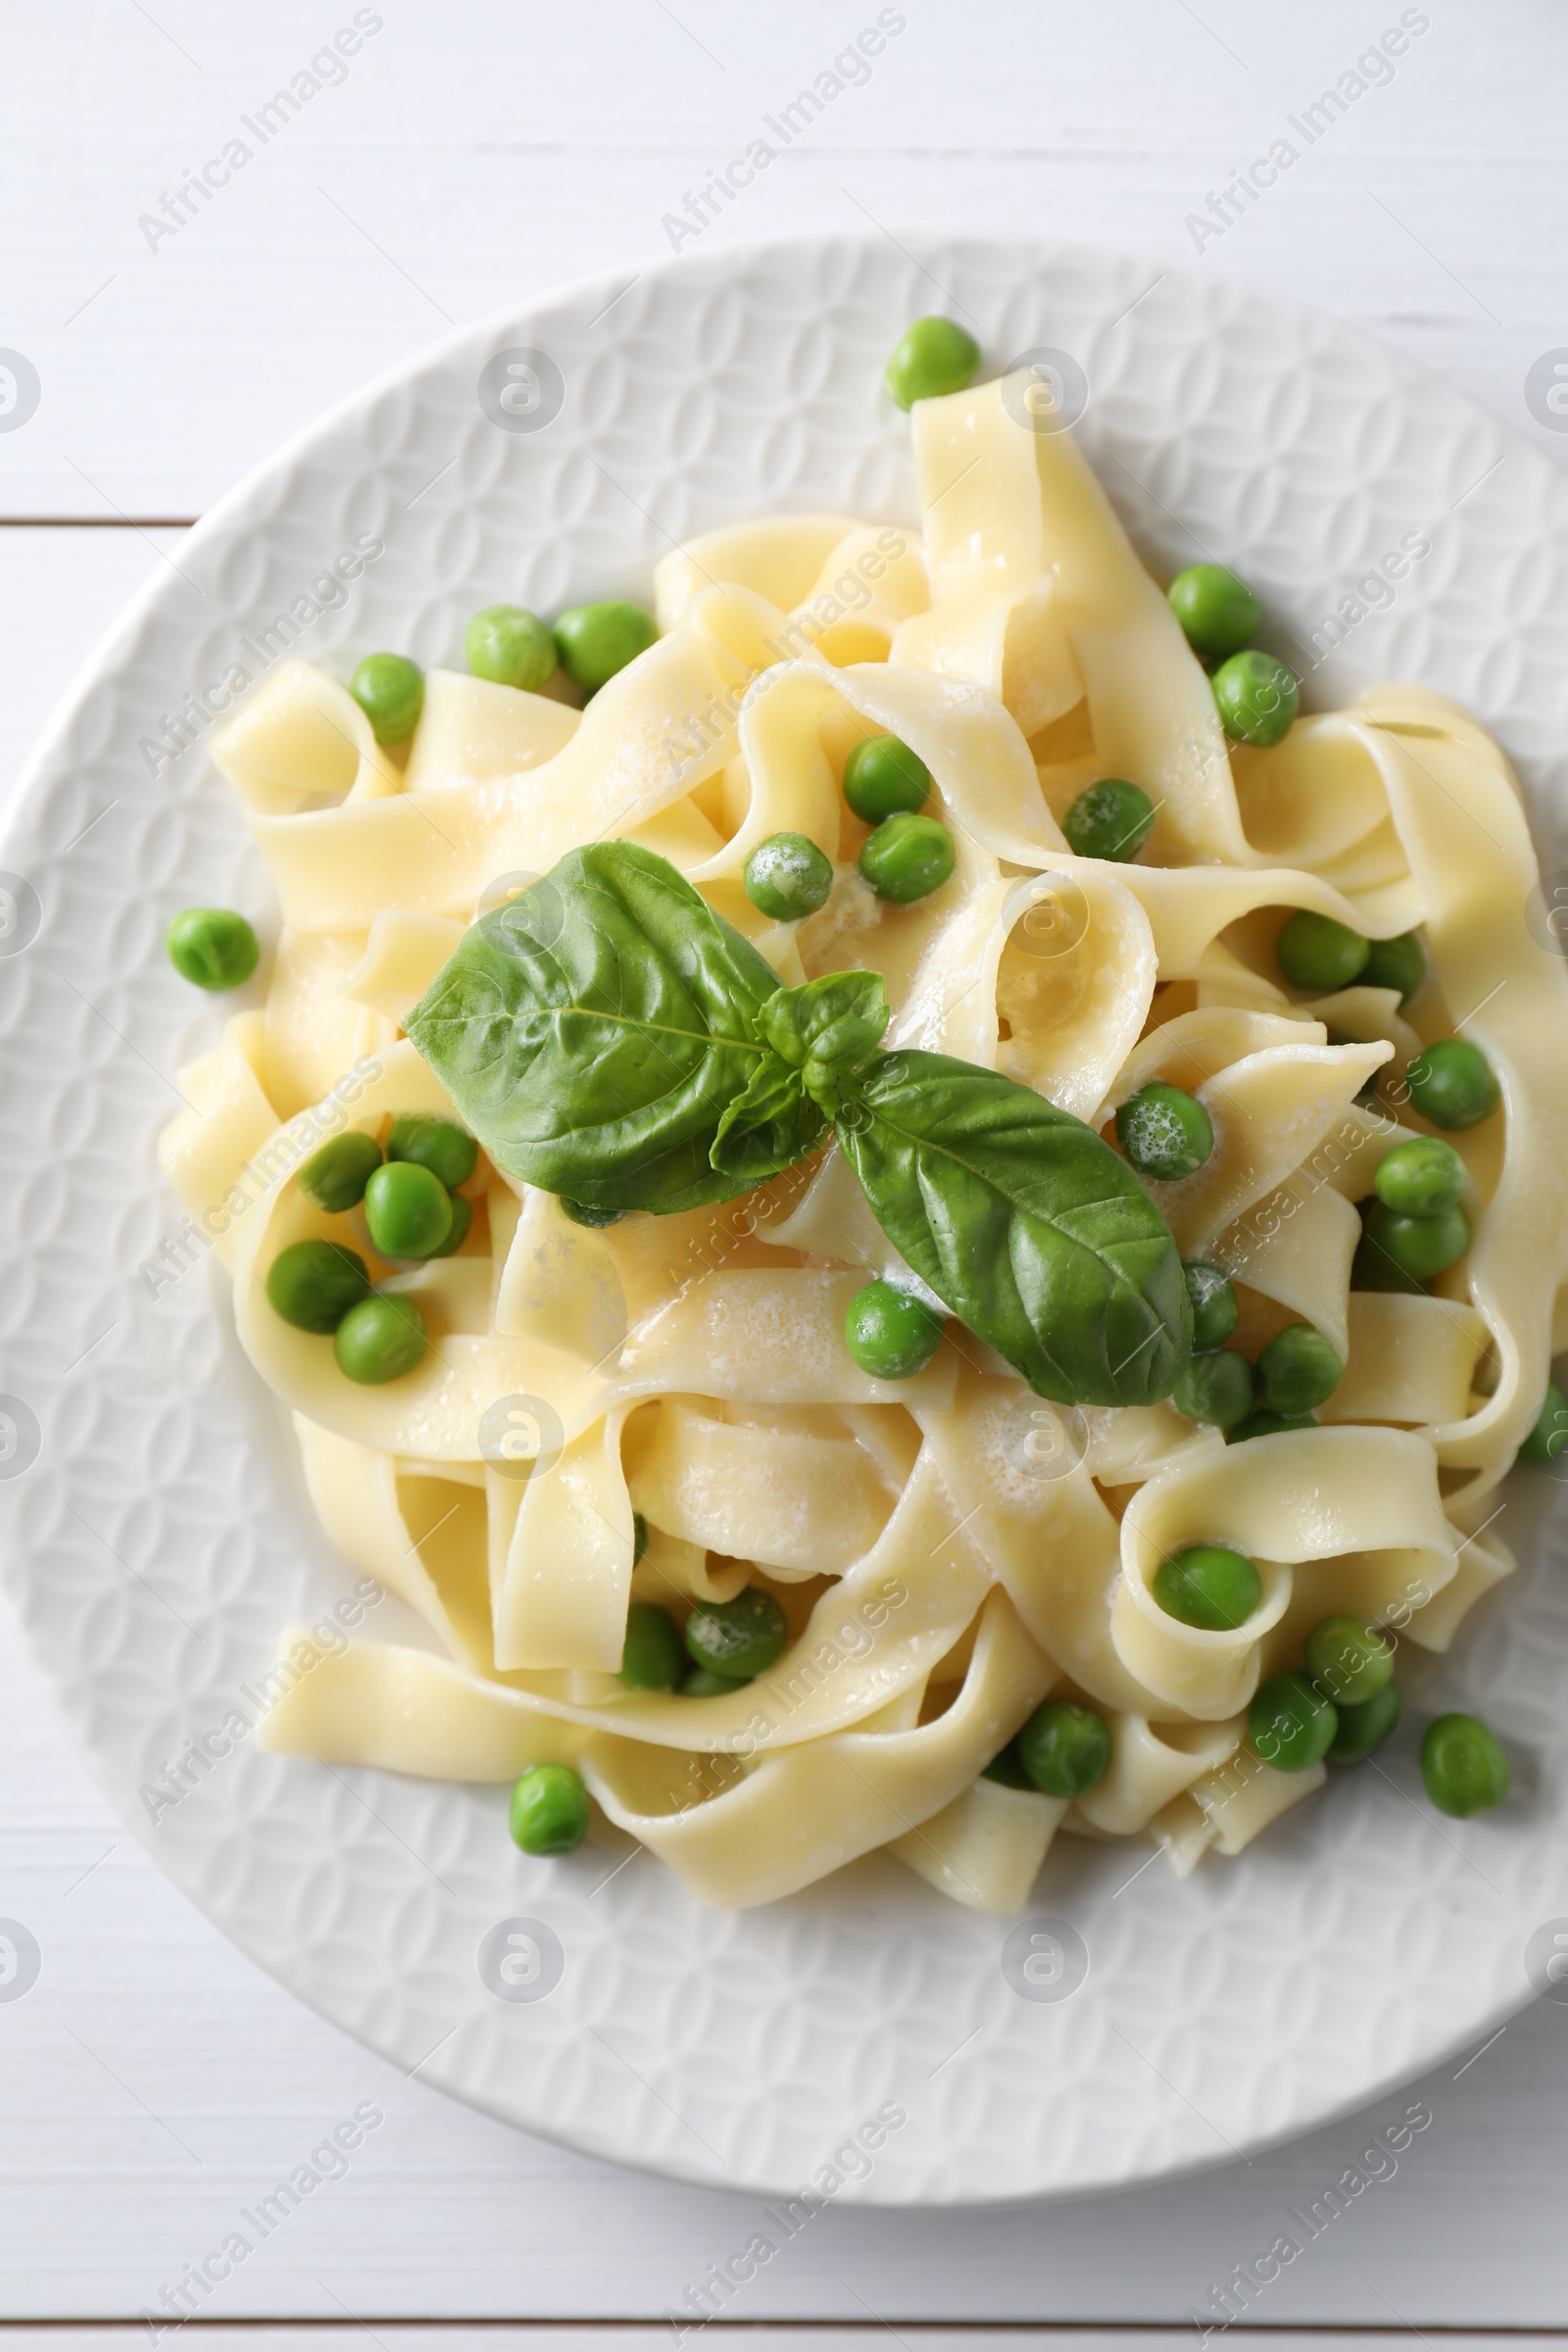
(609, 1038)
(812, 1034)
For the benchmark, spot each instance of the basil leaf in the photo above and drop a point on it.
(1025, 1223)
(837, 1019)
(811, 1031)
(770, 1127)
(609, 1038)
(594, 1030)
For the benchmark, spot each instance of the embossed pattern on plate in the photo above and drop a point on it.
(161, 1536)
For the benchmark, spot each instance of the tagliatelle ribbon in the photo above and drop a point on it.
(680, 1413)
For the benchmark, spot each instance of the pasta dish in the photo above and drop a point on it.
(907, 1210)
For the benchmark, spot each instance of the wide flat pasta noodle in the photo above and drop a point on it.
(560, 1285)
(472, 730)
(1006, 505)
(207, 1150)
(1011, 1462)
(303, 739)
(403, 954)
(432, 1413)
(1150, 1765)
(408, 1710)
(313, 1030)
(665, 1410)
(1270, 1106)
(799, 1816)
(1066, 962)
(870, 1639)
(1295, 1246)
(387, 1526)
(1458, 815)
(1360, 1502)
(772, 1338)
(870, 583)
(1407, 1360)
(1482, 1561)
(798, 1505)
(781, 557)
(437, 850)
(1228, 1807)
(984, 1849)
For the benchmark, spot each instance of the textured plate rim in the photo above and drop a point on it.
(99, 668)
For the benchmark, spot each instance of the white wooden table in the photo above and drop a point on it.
(153, 2082)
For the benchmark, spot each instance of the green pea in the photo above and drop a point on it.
(1373, 1269)
(787, 876)
(510, 646)
(213, 947)
(638, 1536)
(549, 1810)
(1421, 1178)
(1365, 1726)
(408, 1210)
(595, 641)
(1215, 1305)
(1464, 1769)
(447, 1150)
(740, 1637)
(1111, 820)
(1267, 1423)
(883, 778)
(1217, 1387)
(1299, 1369)
(1453, 1084)
(462, 1220)
(390, 691)
(907, 858)
(314, 1284)
(379, 1340)
(1348, 1661)
(933, 357)
(654, 1657)
(1257, 697)
(1316, 952)
(1208, 1586)
(889, 1333)
(1218, 612)
(1548, 1438)
(1400, 963)
(1164, 1132)
(1291, 1725)
(1420, 1246)
(702, 1682)
(1064, 1749)
(583, 1213)
(1006, 1769)
(335, 1177)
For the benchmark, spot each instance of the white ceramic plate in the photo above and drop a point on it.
(160, 1539)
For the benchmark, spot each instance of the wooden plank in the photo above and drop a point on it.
(59, 591)
(152, 2085)
(155, 2088)
(469, 159)
(544, 2336)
